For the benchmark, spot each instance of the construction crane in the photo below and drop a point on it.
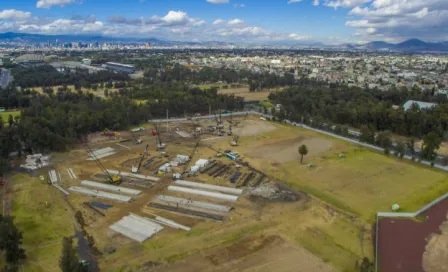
(184, 170)
(219, 125)
(136, 169)
(187, 164)
(234, 142)
(116, 180)
(159, 144)
(230, 133)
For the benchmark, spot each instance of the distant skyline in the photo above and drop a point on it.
(252, 21)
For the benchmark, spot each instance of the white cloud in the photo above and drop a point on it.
(401, 19)
(345, 3)
(239, 5)
(51, 3)
(421, 13)
(218, 1)
(235, 22)
(316, 3)
(294, 1)
(218, 22)
(174, 25)
(175, 18)
(198, 22)
(14, 15)
(296, 37)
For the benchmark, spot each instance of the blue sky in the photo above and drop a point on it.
(328, 21)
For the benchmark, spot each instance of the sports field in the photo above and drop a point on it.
(5, 115)
(244, 92)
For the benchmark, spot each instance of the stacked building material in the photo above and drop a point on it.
(100, 194)
(35, 161)
(101, 153)
(193, 203)
(203, 193)
(112, 188)
(127, 174)
(100, 205)
(221, 189)
(136, 227)
(235, 177)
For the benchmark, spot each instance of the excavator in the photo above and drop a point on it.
(116, 180)
(136, 169)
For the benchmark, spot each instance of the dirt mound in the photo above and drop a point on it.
(272, 192)
(436, 253)
(287, 150)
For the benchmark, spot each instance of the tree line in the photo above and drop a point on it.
(371, 111)
(47, 75)
(356, 107)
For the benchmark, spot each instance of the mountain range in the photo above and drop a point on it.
(412, 45)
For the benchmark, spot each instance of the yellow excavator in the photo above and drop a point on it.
(116, 180)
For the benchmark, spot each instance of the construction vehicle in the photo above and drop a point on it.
(230, 133)
(116, 180)
(159, 144)
(188, 163)
(136, 169)
(234, 141)
(110, 133)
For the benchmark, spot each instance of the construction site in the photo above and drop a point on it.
(222, 193)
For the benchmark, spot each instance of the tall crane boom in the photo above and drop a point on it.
(135, 169)
(113, 180)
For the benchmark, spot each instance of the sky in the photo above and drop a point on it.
(239, 21)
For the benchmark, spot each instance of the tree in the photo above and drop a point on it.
(10, 120)
(69, 261)
(383, 140)
(410, 144)
(400, 149)
(444, 160)
(367, 266)
(106, 93)
(367, 135)
(431, 143)
(10, 240)
(303, 150)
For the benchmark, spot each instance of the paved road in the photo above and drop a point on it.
(4, 79)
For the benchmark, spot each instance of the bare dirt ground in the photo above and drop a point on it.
(244, 92)
(435, 258)
(270, 253)
(251, 128)
(287, 150)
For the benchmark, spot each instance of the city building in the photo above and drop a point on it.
(119, 67)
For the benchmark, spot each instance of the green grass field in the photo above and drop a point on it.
(5, 115)
(364, 182)
(41, 214)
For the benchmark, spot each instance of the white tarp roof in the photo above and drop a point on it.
(209, 187)
(202, 193)
(112, 188)
(100, 194)
(136, 227)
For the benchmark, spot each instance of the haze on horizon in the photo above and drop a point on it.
(293, 21)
